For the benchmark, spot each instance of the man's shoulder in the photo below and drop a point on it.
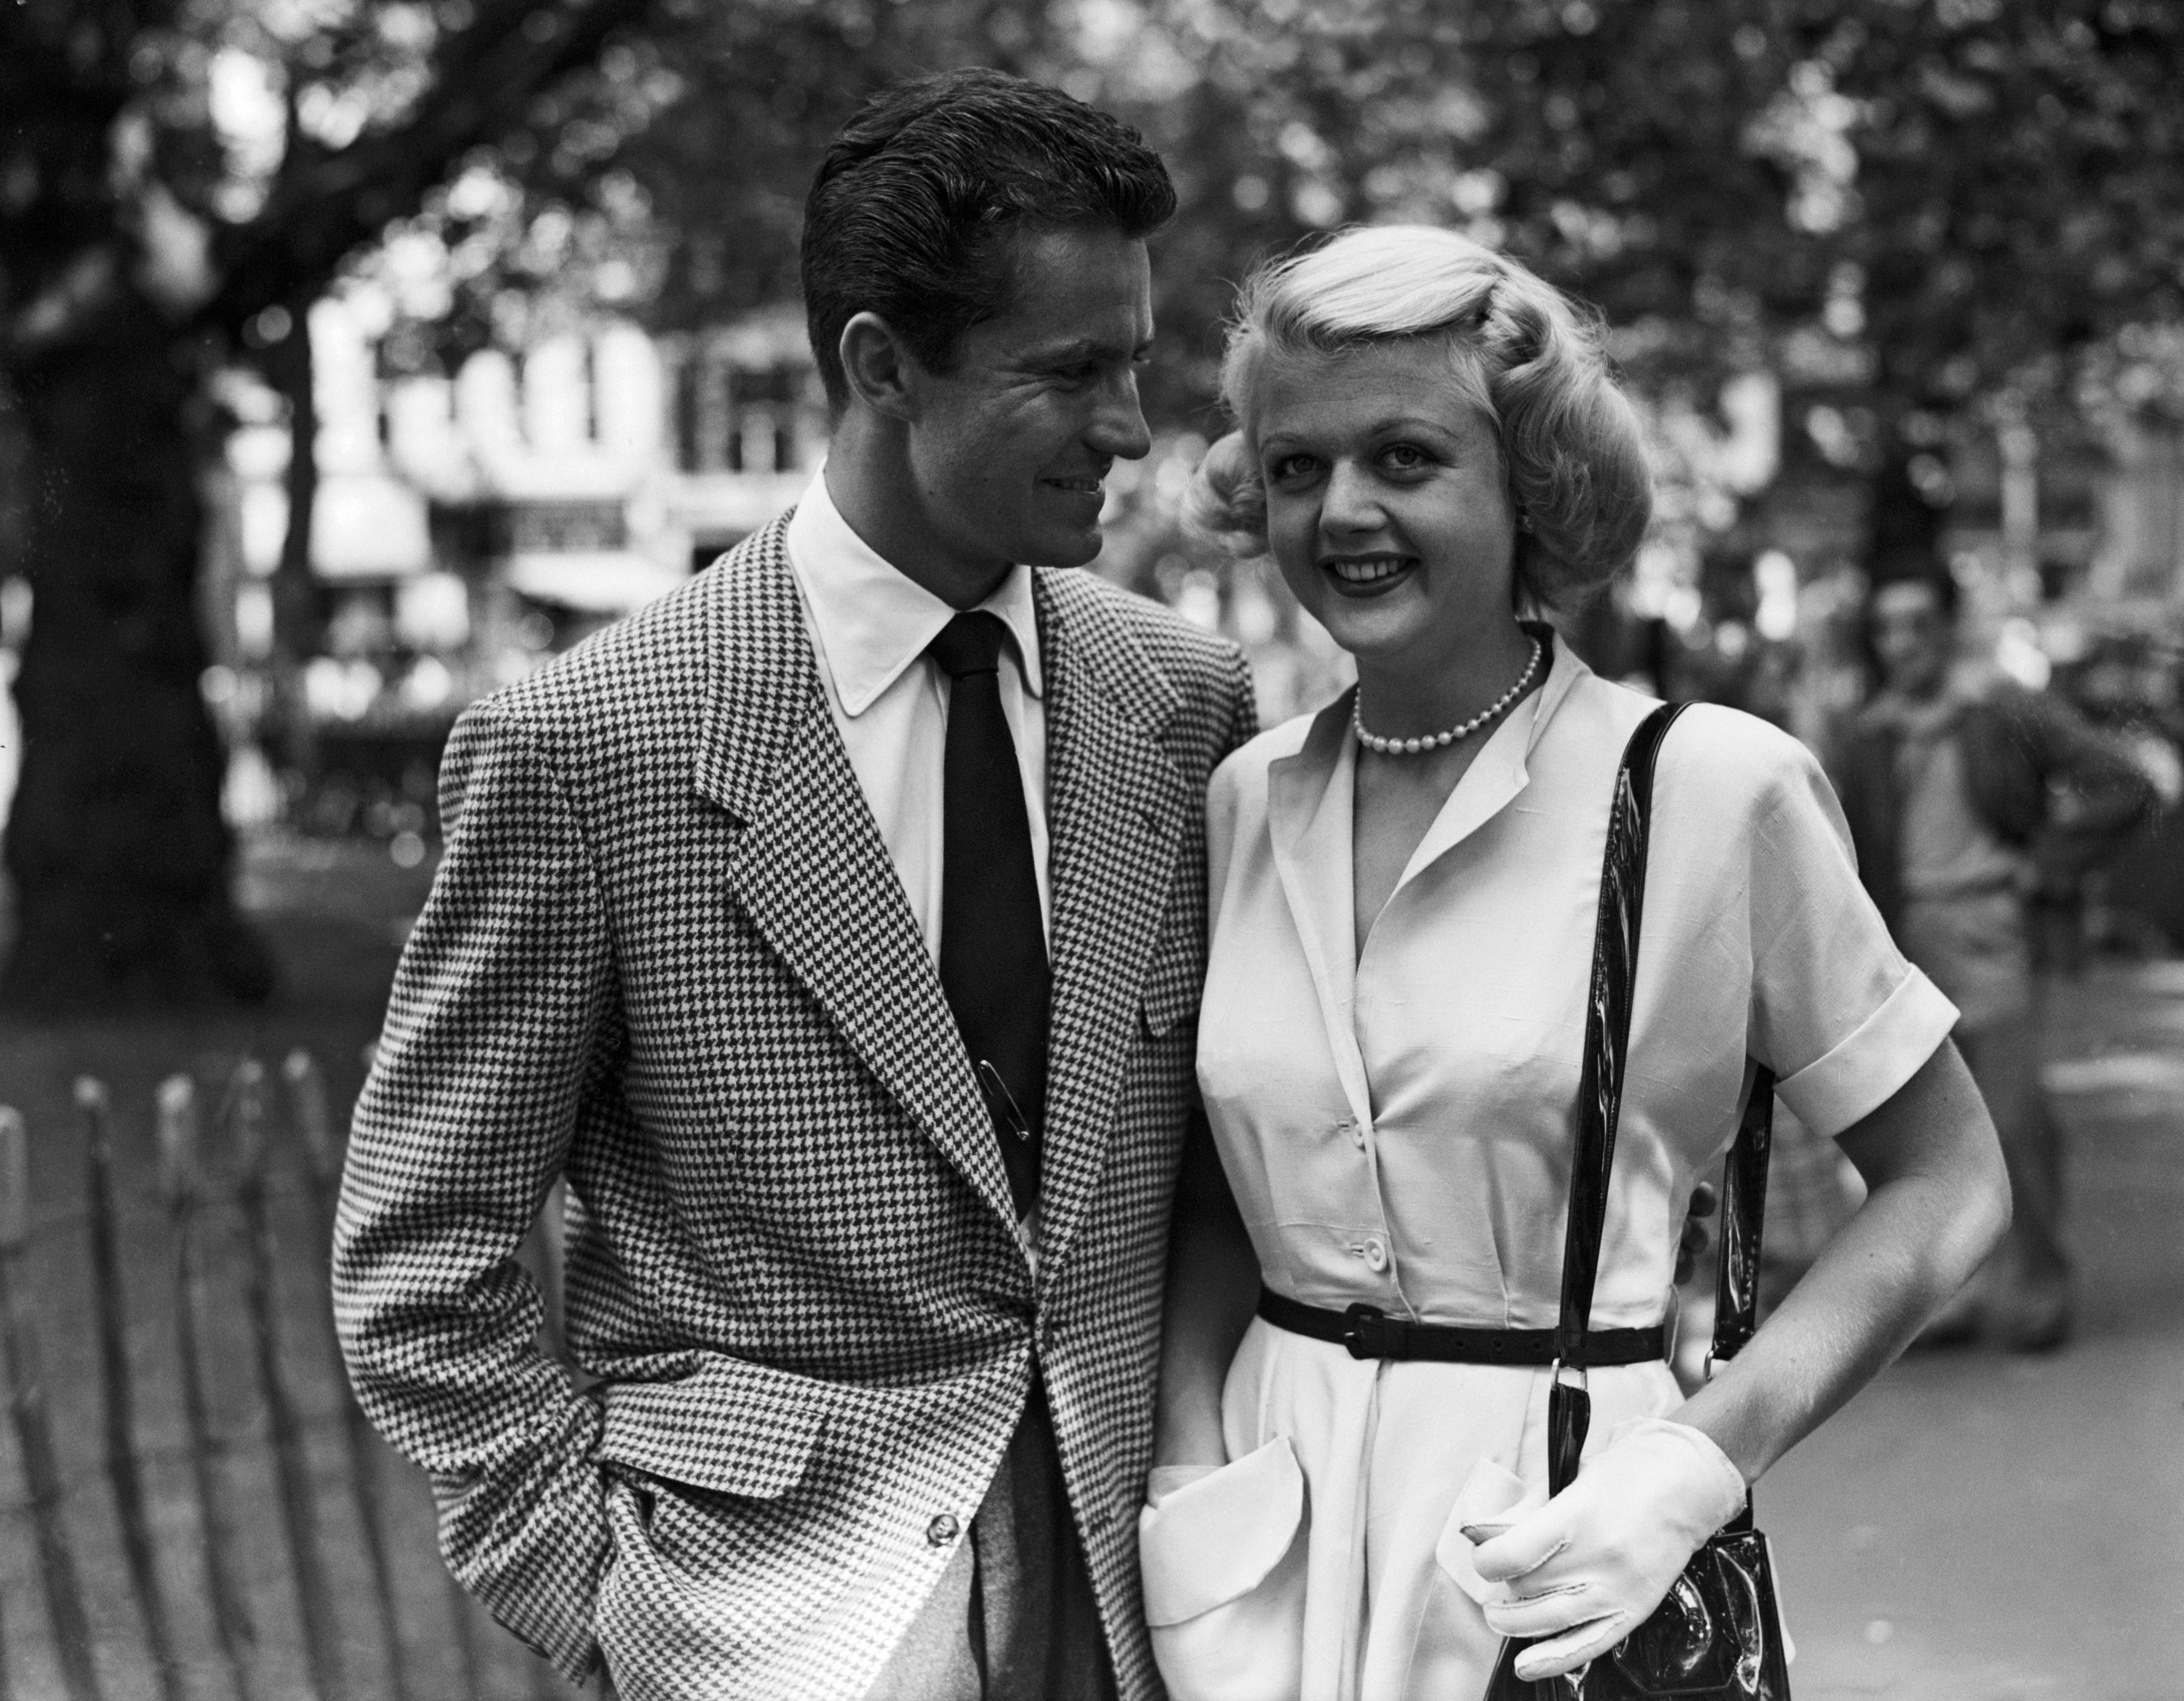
(647, 674)
(1184, 653)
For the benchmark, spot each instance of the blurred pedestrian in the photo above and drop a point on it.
(1406, 889)
(834, 926)
(1973, 803)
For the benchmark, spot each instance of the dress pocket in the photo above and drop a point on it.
(1224, 1561)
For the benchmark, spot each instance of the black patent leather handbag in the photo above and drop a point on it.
(1717, 1636)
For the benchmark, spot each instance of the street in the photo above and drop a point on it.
(1983, 1528)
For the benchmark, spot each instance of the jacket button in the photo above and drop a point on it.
(943, 1529)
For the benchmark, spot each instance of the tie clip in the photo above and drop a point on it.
(1002, 1102)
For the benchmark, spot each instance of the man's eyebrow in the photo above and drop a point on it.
(1084, 348)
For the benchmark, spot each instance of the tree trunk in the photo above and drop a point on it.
(295, 593)
(116, 844)
(1904, 529)
(295, 624)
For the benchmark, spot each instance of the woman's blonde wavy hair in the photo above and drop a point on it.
(1517, 349)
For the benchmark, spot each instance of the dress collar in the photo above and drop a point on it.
(870, 619)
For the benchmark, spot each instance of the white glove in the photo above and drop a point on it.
(1598, 1558)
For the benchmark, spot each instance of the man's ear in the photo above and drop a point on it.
(881, 372)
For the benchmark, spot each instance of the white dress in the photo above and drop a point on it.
(1397, 1126)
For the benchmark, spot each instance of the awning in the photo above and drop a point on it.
(601, 581)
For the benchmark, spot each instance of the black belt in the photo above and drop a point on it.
(1370, 1333)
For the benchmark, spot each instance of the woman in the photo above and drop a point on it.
(1403, 891)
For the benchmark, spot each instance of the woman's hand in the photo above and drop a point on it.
(1590, 1566)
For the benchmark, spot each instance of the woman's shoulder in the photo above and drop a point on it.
(1716, 761)
(1726, 765)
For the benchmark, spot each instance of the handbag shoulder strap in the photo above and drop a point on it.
(1613, 985)
(1610, 993)
(1607, 1025)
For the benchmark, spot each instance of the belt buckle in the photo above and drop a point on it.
(1361, 1330)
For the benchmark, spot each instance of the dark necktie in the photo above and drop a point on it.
(993, 945)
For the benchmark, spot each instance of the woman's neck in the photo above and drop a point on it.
(1415, 696)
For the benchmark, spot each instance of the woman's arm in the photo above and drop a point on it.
(1586, 1568)
(1212, 1286)
(1937, 1200)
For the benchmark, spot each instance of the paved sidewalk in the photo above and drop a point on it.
(1980, 1527)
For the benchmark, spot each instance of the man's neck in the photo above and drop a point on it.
(871, 485)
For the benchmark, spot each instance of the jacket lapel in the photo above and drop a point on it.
(809, 867)
(1116, 810)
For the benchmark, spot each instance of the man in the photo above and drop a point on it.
(835, 926)
(1968, 805)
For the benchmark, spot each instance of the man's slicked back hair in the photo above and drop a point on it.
(910, 213)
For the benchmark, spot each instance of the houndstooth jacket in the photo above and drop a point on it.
(667, 956)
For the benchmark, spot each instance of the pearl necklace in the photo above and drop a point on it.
(1435, 740)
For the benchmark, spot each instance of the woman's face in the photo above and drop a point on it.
(1385, 507)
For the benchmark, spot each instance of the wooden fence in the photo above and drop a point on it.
(191, 1506)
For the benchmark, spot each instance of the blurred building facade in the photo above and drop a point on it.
(466, 528)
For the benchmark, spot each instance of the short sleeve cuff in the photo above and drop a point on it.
(1867, 1070)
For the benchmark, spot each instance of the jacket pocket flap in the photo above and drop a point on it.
(1216, 1539)
(732, 1427)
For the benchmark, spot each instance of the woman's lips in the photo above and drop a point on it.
(1366, 575)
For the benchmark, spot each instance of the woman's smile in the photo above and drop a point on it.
(1367, 576)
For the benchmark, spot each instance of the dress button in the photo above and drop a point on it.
(943, 1529)
(1376, 1255)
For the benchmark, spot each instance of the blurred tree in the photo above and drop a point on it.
(179, 179)
(1916, 202)
(2016, 197)
(1913, 204)
(1610, 146)
(667, 182)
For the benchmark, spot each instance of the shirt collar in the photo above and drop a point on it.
(1568, 668)
(872, 620)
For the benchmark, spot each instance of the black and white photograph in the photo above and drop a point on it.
(1091, 850)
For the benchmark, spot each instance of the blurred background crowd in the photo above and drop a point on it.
(356, 359)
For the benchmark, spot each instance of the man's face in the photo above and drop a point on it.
(1911, 636)
(1008, 448)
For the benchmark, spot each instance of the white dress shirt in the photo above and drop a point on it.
(870, 625)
